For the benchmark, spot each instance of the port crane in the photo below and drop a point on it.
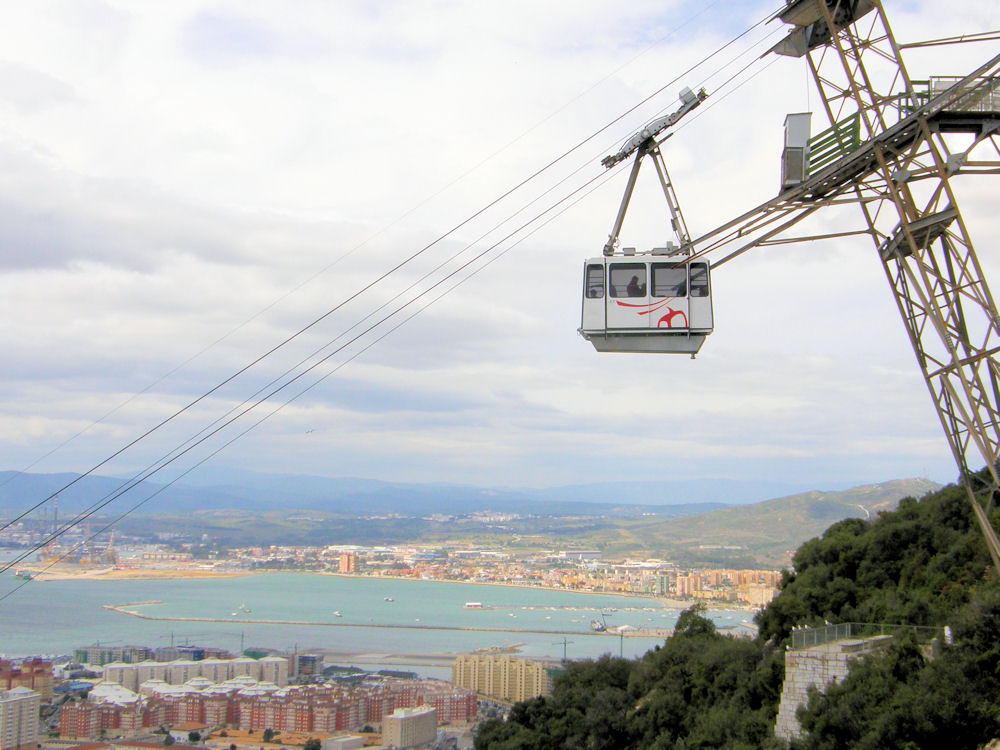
(892, 147)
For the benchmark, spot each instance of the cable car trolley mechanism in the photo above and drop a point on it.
(659, 300)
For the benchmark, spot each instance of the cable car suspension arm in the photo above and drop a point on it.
(642, 144)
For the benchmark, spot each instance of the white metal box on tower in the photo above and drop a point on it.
(795, 156)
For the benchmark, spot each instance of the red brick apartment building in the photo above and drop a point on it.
(303, 708)
(34, 674)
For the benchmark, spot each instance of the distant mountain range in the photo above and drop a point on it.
(689, 521)
(268, 493)
(225, 489)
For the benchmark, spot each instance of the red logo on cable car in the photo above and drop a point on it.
(668, 318)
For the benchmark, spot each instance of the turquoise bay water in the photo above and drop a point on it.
(53, 617)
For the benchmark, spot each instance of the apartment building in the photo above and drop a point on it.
(132, 676)
(19, 718)
(503, 676)
(34, 674)
(258, 706)
(410, 727)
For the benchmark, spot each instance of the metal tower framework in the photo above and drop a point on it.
(913, 217)
(896, 145)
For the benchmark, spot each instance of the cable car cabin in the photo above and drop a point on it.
(646, 303)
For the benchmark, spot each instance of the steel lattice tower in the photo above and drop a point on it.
(892, 147)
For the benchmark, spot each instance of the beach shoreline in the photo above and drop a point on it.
(66, 573)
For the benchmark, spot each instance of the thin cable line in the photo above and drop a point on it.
(149, 473)
(358, 293)
(599, 180)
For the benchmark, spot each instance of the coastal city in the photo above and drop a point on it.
(580, 570)
(495, 439)
(136, 697)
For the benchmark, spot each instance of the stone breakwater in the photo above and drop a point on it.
(122, 609)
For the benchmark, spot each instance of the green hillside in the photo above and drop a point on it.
(764, 534)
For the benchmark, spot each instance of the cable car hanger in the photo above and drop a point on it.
(648, 303)
(645, 143)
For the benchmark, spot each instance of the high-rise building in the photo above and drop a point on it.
(348, 562)
(308, 665)
(104, 654)
(503, 676)
(19, 718)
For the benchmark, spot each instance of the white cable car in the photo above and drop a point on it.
(646, 303)
(659, 301)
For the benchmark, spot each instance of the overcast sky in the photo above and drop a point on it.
(184, 184)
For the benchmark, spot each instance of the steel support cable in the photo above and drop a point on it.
(136, 478)
(600, 180)
(312, 277)
(673, 32)
(151, 472)
(714, 98)
(318, 351)
(378, 280)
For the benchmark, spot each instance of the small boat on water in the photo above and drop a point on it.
(597, 626)
(336, 613)
(387, 599)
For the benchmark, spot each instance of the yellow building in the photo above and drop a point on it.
(502, 676)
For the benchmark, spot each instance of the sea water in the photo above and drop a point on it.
(375, 615)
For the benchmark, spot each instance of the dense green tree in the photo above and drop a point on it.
(923, 564)
(700, 689)
(901, 699)
(912, 566)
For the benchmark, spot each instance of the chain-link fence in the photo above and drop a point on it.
(810, 637)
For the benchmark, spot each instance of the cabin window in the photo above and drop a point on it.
(595, 281)
(669, 280)
(699, 279)
(628, 279)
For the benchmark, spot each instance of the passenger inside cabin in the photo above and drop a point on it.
(635, 289)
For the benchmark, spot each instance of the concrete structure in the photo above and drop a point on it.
(274, 669)
(503, 676)
(409, 727)
(817, 666)
(344, 742)
(307, 665)
(101, 655)
(133, 676)
(19, 718)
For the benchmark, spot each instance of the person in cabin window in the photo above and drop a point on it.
(634, 288)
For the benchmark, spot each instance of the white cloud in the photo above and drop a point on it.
(168, 171)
